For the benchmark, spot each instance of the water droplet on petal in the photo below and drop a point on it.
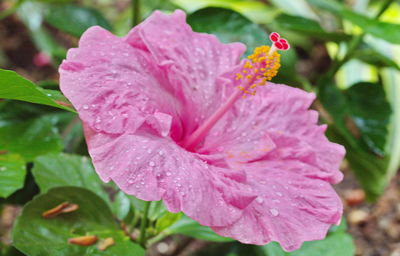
(85, 107)
(169, 174)
(274, 212)
(259, 200)
(152, 164)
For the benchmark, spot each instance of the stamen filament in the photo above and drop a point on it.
(202, 131)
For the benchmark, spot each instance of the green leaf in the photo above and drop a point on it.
(336, 244)
(385, 30)
(370, 56)
(308, 27)
(255, 10)
(273, 249)
(365, 139)
(12, 174)
(366, 106)
(167, 220)
(189, 227)
(30, 138)
(56, 170)
(371, 113)
(228, 26)
(75, 19)
(36, 236)
(15, 87)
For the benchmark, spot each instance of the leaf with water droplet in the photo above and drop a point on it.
(12, 173)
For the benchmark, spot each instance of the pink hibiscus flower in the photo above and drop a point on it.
(163, 118)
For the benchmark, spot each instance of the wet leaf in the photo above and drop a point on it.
(366, 154)
(15, 87)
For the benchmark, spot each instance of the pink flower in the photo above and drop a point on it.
(260, 172)
(41, 59)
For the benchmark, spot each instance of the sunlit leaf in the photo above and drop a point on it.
(37, 236)
(385, 30)
(257, 11)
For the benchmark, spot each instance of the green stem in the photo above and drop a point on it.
(355, 43)
(143, 225)
(135, 12)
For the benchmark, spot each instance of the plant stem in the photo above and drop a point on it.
(143, 225)
(135, 12)
(355, 43)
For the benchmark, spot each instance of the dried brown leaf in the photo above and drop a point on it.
(64, 207)
(105, 243)
(83, 240)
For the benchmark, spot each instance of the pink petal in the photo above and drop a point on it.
(290, 209)
(115, 87)
(276, 125)
(193, 62)
(154, 168)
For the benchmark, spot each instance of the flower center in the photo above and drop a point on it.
(259, 68)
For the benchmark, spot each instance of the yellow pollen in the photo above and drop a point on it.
(260, 67)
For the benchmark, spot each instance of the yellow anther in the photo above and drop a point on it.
(239, 76)
(260, 67)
